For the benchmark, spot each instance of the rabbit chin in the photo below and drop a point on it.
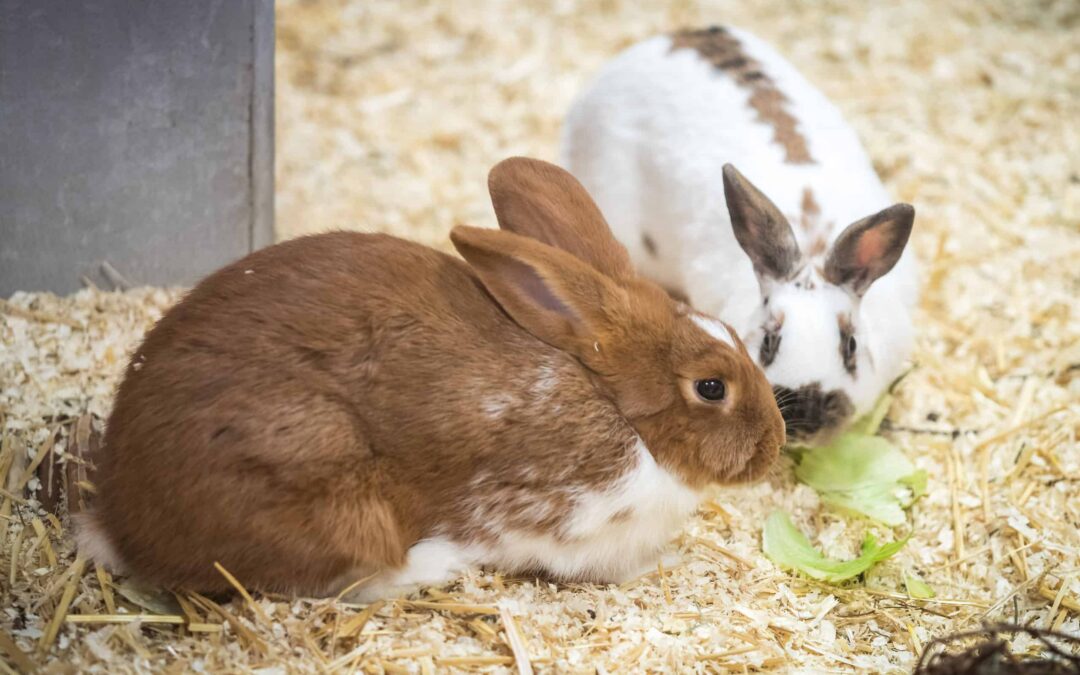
(612, 534)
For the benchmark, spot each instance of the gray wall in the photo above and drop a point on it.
(134, 132)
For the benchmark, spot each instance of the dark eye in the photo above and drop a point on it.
(849, 347)
(711, 390)
(769, 346)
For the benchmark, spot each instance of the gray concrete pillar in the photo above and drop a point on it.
(137, 133)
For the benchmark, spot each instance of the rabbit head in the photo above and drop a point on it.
(684, 381)
(809, 337)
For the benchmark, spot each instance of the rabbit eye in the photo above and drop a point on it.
(711, 390)
(770, 344)
(848, 347)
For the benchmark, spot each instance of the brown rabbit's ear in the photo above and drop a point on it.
(761, 230)
(540, 200)
(869, 248)
(548, 292)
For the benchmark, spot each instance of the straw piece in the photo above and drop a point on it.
(472, 661)
(452, 607)
(126, 618)
(356, 624)
(49, 636)
(43, 538)
(731, 555)
(247, 596)
(411, 653)
(246, 634)
(1060, 598)
(663, 582)
(20, 658)
(31, 468)
(190, 613)
(720, 656)
(15, 552)
(516, 642)
(632, 657)
(132, 641)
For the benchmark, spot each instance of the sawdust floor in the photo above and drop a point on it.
(390, 114)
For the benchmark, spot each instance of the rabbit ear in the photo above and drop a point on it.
(761, 230)
(869, 248)
(548, 292)
(542, 201)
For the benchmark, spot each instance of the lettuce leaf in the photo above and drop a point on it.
(789, 548)
(863, 473)
(917, 588)
(870, 423)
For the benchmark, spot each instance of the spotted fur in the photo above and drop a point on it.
(756, 193)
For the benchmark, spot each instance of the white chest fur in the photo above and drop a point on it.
(611, 534)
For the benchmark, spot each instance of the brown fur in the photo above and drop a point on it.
(811, 211)
(722, 49)
(810, 220)
(307, 414)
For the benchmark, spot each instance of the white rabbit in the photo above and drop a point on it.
(825, 306)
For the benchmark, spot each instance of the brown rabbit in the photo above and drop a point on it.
(348, 406)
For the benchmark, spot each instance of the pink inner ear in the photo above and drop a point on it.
(871, 247)
(533, 286)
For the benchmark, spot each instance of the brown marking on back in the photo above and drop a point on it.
(722, 49)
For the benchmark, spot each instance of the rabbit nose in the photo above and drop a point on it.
(809, 411)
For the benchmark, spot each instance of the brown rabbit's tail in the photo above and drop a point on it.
(93, 541)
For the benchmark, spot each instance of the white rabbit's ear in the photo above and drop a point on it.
(761, 230)
(540, 200)
(869, 248)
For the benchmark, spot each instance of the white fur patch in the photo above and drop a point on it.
(94, 544)
(612, 534)
(547, 378)
(430, 562)
(495, 405)
(714, 328)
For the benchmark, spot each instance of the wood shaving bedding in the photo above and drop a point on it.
(389, 115)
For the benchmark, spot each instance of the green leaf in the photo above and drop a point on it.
(789, 548)
(875, 503)
(870, 422)
(863, 474)
(917, 483)
(917, 588)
